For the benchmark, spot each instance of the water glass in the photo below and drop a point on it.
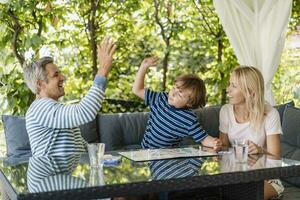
(96, 176)
(240, 148)
(96, 154)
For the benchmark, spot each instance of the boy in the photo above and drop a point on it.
(171, 117)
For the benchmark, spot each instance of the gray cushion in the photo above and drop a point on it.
(290, 140)
(17, 142)
(89, 131)
(122, 129)
(209, 119)
(281, 108)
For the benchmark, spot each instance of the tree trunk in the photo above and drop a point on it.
(17, 30)
(93, 37)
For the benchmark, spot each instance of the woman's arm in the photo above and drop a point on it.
(273, 145)
(213, 142)
(224, 139)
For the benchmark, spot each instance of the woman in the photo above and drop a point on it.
(248, 116)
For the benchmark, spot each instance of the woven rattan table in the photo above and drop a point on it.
(71, 177)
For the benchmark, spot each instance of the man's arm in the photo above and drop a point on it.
(138, 87)
(57, 115)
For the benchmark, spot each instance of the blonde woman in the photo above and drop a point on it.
(248, 116)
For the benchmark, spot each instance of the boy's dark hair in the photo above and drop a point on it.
(197, 87)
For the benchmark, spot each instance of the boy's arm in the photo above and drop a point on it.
(138, 87)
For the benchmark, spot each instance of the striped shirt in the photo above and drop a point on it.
(53, 173)
(167, 124)
(53, 128)
(178, 168)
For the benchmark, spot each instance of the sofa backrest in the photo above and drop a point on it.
(122, 130)
(209, 119)
(290, 140)
(126, 130)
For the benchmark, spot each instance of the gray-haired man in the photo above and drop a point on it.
(53, 128)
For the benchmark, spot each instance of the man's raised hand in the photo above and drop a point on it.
(105, 56)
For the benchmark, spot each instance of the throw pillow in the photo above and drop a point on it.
(17, 142)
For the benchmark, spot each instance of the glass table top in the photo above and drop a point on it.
(42, 174)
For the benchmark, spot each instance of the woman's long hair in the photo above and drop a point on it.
(251, 83)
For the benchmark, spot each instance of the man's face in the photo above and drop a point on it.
(52, 88)
(179, 98)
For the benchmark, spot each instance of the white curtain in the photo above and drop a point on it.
(256, 30)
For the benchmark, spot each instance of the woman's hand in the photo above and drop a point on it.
(254, 148)
(217, 144)
(252, 159)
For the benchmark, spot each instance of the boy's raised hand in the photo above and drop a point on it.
(151, 61)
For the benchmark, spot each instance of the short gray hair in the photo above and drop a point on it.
(36, 71)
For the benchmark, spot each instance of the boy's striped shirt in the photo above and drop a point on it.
(167, 124)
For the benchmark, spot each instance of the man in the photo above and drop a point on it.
(53, 128)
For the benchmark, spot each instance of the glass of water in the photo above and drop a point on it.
(96, 154)
(240, 149)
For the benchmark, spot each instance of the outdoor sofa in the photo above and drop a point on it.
(125, 131)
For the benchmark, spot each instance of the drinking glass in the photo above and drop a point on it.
(96, 154)
(240, 148)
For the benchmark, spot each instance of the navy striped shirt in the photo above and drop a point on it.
(167, 124)
(178, 168)
(53, 128)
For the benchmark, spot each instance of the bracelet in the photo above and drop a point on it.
(260, 150)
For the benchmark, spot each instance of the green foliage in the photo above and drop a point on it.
(16, 175)
(210, 166)
(18, 96)
(286, 83)
(62, 29)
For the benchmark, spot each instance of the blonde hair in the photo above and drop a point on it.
(251, 83)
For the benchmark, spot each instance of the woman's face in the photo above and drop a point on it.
(234, 92)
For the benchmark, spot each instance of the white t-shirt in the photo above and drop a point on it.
(228, 125)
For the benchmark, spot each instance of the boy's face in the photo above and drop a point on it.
(178, 97)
